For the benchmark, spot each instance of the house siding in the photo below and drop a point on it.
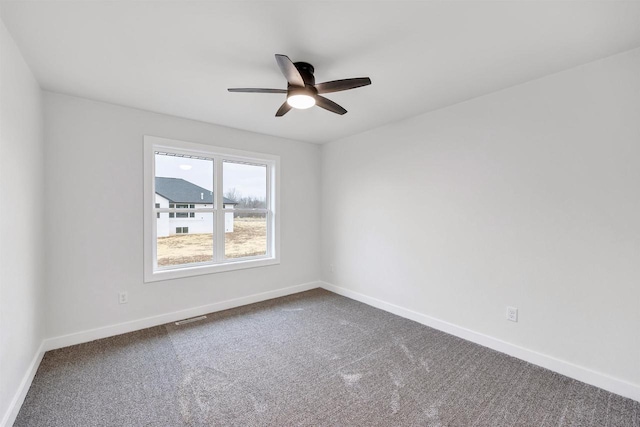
(202, 223)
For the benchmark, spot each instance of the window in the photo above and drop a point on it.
(182, 214)
(207, 209)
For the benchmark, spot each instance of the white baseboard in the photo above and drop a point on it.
(571, 370)
(14, 407)
(580, 373)
(136, 325)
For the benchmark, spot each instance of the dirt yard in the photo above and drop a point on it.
(249, 238)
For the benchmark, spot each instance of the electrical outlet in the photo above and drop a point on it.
(512, 314)
(123, 298)
(332, 268)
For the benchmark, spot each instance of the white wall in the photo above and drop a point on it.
(94, 178)
(527, 197)
(21, 233)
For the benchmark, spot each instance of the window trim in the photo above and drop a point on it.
(219, 154)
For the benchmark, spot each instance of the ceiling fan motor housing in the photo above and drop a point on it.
(306, 71)
(296, 90)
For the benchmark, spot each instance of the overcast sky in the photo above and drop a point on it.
(248, 180)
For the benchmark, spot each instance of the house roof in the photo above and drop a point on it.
(177, 190)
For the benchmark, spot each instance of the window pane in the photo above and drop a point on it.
(245, 234)
(244, 185)
(183, 182)
(179, 244)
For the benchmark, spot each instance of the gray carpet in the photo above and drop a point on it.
(310, 359)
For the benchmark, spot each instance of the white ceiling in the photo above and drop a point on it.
(179, 57)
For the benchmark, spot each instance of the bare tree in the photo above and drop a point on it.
(233, 194)
(248, 202)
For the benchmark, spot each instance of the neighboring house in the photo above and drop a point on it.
(178, 193)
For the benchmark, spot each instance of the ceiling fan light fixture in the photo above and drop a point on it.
(302, 90)
(301, 101)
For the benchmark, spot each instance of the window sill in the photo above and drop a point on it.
(198, 270)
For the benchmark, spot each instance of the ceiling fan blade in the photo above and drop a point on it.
(328, 104)
(345, 84)
(289, 70)
(256, 90)
(284, 109)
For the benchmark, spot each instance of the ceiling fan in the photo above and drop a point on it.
(302, 90)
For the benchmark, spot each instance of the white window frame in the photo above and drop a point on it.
(153, 144)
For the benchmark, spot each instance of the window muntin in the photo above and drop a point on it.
(184, 214)
(238, 234)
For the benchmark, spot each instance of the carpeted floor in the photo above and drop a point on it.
(310, 359)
